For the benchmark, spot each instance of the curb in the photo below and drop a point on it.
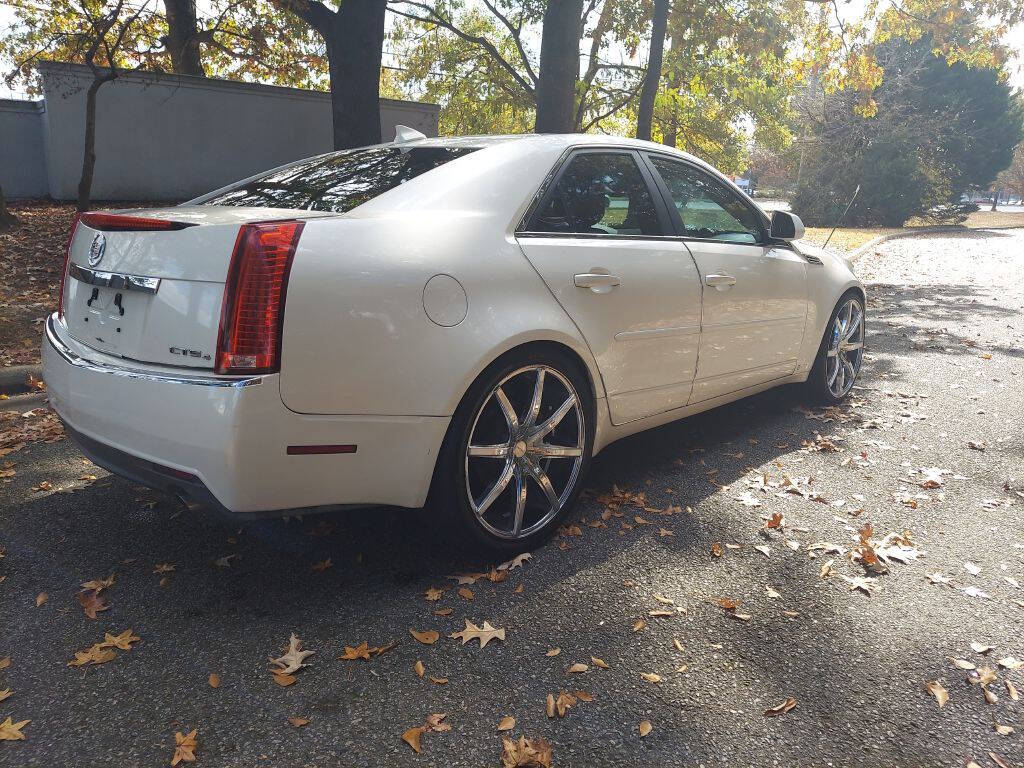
(14, 378)
(858, 252)
(23, 402)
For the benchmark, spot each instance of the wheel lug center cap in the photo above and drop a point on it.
(519, 449)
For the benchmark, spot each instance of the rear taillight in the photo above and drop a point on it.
(252, 313)
(64, 271)
(115, 222)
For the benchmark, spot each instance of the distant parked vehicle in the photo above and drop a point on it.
(473, 317)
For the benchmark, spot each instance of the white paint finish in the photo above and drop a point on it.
(188, 135)
(751, 331)
(641, 330)
(234, 439)
(22, 157)
(363, 363)
(445, 301)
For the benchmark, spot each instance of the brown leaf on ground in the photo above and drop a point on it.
(185, 747)
(214, 680)
(5, 694)
(91, 603)
(484, 634)
(361, 651)
(507, 723)
(164, 567)
(439, 680)
(936, 689)
(515, 562)
(122, 641)
(293, 659)
(419, 669)
(11, 731)
(577, 668)
(444, 611)
(466, 593)
(640, 624)
(645, 728)
(298, 722)
(284, 680)
(413, 736)
(96, 654)
(427, 636)
(433, 594)
(651, 677)
(41, 598)
(780, 709)
(5, 662)
(598, 663)
(525, 753)
(717, 550)
(553, 652)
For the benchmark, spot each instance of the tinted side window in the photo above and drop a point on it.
(337, 182)
(600, 193)
(708, 208)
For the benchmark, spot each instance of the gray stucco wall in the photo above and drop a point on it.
(22, 159)
(172, 137)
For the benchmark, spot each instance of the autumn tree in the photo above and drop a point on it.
(353, 35)
(1012, 178)
(652, 77)
(937, 130)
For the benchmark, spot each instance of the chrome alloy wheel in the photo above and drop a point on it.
(525, 451)
(845, 348)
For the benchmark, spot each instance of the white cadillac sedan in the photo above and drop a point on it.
(469, 319)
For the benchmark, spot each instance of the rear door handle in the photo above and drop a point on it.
(598, 282)
(720, 282)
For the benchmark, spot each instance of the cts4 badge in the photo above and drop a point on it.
(96, 249)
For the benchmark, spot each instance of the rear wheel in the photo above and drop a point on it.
(841, 352)
(517, 451)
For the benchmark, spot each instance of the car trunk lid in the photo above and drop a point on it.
(148, 284)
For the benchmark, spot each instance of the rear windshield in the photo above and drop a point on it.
(337, 182)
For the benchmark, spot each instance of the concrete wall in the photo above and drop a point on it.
(22, 158)
(172, 137)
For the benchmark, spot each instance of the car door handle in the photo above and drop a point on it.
(598, 282)
(720, 282)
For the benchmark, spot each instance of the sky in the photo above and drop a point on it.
(1014, 40)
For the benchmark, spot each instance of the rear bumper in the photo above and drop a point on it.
(152, 424)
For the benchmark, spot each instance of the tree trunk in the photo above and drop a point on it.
(182, 39)
(559, 66)
(355, 44)
(89, 157)
(7, 219)
(645, 111)
(995, 198)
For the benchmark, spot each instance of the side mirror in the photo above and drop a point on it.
(786, 226)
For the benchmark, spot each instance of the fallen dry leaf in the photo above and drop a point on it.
(11, 731)
(97, 654)
(484, 634)
(361, 651)
(781, 709)
(185, 747)
(640, 624)
(515, 562)
(123, 641)
(298, 722)
(293, 659)
(214, 680)
(1009, 662)
(577, 668)
(1002, 730)
(413, 736)
(507, 723)
(443, 611)
(5, 662)
(322, 566)
(419, 669)
(651, 677)
(525, 753)
(772, 594)
(936, 689)
(717, 550)
(284, 680)
(41, 598)
(1012, 690)
(439, 680)
(164, 567)
(466, 593)
(433, 594)
(91, 603)
(645, 728)
(553, 651)
(981, 647)
(427, 637)
(598, 662)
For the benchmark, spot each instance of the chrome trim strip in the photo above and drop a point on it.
(658, 333)
(78, 361)
(114, 279)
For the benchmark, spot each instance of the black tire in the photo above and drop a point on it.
(818, 388)
(459, 475)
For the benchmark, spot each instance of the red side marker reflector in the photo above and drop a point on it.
(176, 473)
(309, 450)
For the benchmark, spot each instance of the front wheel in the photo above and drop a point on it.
(841, 352)
(517, 452)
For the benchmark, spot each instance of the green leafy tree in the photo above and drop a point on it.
(938, 130)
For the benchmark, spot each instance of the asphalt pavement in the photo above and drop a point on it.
(771, 618)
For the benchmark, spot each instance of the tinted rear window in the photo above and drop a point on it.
(338, 182)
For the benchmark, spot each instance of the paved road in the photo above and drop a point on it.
(944, 367)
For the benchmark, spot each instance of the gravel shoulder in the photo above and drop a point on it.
(944, 368)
